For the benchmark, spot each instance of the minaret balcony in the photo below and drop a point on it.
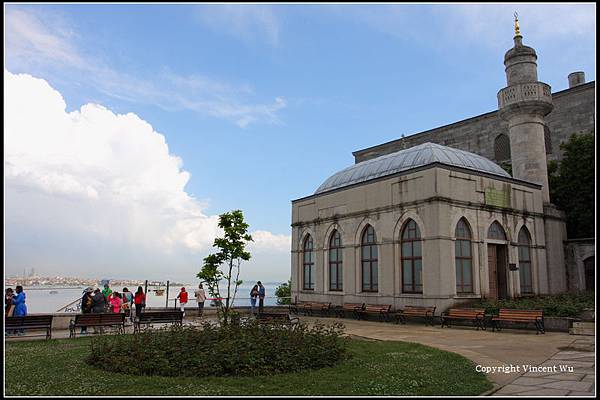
(527, 95)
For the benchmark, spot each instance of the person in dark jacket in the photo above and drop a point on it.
(98, 302)
(87, 302)
(98, 305)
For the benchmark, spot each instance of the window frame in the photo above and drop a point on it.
(336, 264)
(524, 233)
(372, 245)
(412, 258)
(308, 240)
(460, 258)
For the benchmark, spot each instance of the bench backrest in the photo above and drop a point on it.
(466, 312)
(520, 314)
(29, 320)
(378, 307)
(353, 306)
(160, 316)
(99, 319)
(418, 310)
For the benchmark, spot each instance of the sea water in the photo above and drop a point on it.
(40, 300)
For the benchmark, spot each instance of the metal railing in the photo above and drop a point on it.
(74, 306)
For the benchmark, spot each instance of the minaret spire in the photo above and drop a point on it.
(523, 104)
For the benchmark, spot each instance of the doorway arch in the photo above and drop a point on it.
(497, 251)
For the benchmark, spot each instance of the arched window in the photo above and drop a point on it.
(463, 258)
(547, 140)
(308, 264)
(525, 274)
(496, 232)
(412, 267)
(502, 148)
(335, 261)
(368, 251)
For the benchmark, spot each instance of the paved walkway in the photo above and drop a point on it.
(548, 380)
(506, 349)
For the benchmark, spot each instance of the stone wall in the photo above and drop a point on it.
(574, 112)
(576, 252)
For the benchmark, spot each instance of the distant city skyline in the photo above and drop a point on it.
(130, 127)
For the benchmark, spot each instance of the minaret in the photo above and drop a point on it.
(524, 103)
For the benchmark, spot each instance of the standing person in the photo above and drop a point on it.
(87, 302)
(200, 298)
(107, 292)
(253, 296)
(20, 307)
(98, 305)
(261, 296)
(183, 298)
(127, 302)
(116, 302)
(8, 305)
(139, 300)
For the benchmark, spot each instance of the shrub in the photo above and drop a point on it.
(283, 293)
(560, 305)
(248, 349)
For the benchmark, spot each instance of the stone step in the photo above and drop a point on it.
(583, 328)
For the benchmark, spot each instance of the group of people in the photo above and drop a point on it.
(96, 301)
(258, 291)
(107, 300)
(14, 306)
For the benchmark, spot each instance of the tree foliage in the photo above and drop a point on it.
(232, 251)
(572, 185)
(283, 293)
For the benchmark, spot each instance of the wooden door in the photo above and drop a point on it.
(493, 274)
(501, 271)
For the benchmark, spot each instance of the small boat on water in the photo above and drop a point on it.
(53, 291)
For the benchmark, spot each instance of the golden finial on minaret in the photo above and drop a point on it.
(517, 31)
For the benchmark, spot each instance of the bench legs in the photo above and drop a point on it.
(539, 326)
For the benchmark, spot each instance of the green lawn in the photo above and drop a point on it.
(57, 367)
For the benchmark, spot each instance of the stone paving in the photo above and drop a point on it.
(511, 347)
(550, 381)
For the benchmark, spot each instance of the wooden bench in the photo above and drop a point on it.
(416, 311)
(308, 307)
(351, 307)
(277, 318)
(30, 322)
(97, 320)
(475, 315)
(157, 317)
(382, 310)
(525, 316)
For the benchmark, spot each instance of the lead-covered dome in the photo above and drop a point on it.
(403, 160)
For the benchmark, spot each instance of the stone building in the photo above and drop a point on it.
(426, 221)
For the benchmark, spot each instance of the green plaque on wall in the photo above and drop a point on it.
(498, 198)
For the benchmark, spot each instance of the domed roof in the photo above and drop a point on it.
(417, 156)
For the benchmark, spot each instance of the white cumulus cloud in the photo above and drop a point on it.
(91, 178)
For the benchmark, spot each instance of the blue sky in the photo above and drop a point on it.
(261, 103)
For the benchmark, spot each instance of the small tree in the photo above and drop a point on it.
(283, 293)
(232, 251)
